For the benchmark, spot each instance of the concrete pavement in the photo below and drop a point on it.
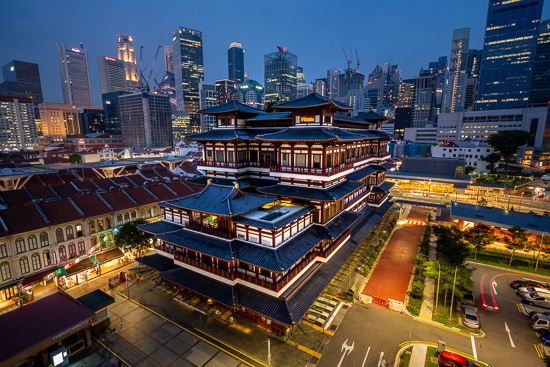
(427, 308)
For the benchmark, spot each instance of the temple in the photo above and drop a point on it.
(282, 193)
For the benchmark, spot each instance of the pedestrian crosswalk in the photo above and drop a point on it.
(417, 222)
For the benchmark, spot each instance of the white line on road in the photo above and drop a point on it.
(494, 284)
(329, 322)
(366, 355)
(509, 335)
(474, 347)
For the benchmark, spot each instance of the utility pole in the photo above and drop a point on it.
(268, 352)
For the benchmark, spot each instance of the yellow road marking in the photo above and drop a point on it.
(318, 328)
(307, 350)
(539, 352)
(198, 336)
(331, 296)
(113, 353)
(463, 333)
(432, 344)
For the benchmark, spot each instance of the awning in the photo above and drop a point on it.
(81, 266)
(109, 255)
(60, 272)
(38, 277)
(158, 262)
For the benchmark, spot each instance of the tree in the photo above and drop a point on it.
(269, 105)
(468, 170)
(479, 237)
(464, 282)
(492, 159)
(129, 235)
(542, 246)
(516, 239)
(75, 158)
(450, 245)
(507, 142)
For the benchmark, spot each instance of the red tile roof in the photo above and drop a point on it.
(185, 189)
(141, 195)
(15, 198)
(85, 185)
(162, 192)
(51, 179)
(65, 190)
(59, 212)
(34, 181)
(103, 183)
(92, 205)
(43, 192)
(118, 200)
(137, 179)
(21, 219)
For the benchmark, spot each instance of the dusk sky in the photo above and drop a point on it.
(404, 32)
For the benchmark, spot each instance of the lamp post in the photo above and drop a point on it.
(437, 292)
(508, 203)
(268, 352)
(453, 295)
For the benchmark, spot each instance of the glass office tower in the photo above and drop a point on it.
(188, 72)
(539, 95)
(280, 75)
(508, 53)
(235, 62)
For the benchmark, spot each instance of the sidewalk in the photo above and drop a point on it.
(426, 311)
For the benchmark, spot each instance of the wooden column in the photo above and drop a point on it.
(309, 158)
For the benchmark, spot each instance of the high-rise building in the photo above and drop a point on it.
(391, 86)
(349, 80)
(75, 75)
(235, 62)
(146, 120)
(92, 120)
(169, 58)
(321, 86)
(188, 72)
(112, 75)
(473, 64)
(304, 89)
(126, 52)
(225, 91)
(539, 94)
(333, 83)
(280, 75)
(207, 94)
(112, 112)
(59, 120)
(22, 79)
(18, 129)
(250, 93)
(509, 50)
(300, 76)
(455, 83)
(423, 112)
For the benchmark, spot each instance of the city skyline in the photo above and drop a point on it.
(432, 37)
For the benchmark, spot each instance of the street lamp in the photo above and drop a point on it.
(268, 352)
(508, 202)
(453, 295)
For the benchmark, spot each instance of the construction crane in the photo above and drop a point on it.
(347, 59)
(154, 62)
(357, 57)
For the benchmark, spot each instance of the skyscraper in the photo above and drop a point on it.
(539, 95)
(146, 120)
(112, 75)
(225, 91)
(300, 76)
(207, 93)
(304, 89)
(250, 93)
(75, 75)
(22, 79)
(17, 122)
(280, 75)
(455, 83)
(235, 62)
(127, 53)
(321, 87)
(59, 120)
(509, 50)
(423, 112)
(169, 58)
(189, 71)
(333, 83)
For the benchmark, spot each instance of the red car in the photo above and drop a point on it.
(448, 359)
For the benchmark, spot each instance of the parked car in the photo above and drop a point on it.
(468, 299)
(533, 313)
(470, 318)
(543, 292)
(535, 299)
(540, 322)
(545, 338)
(528, 283)
(448, 359)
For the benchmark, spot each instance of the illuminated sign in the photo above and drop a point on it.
(109, 58)
(75, 50)
(131, 39)
(307, 119)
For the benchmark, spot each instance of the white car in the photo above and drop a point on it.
(470, 318)
(543, 292)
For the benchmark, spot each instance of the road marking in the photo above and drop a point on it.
(116, 355)
(463, 333)
(509, 335)
(520, 308)
(366, 355)
(305, 349)
(539, 352)
(474, 346)
(318, 328)
(494, 284)
(533, 280)
(333, 316)
(432, 344)
(346, 349)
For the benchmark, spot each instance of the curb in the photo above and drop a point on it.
(398, 355)
(428, 344)
(508, 269)
(438, 324)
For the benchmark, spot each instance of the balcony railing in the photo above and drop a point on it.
(212, 231)
(358, 198)
(312, 171)
(223, 164)
(205, 267)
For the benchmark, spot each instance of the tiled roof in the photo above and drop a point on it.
(15, 198)
(244, 183)
(333, 193)
(141, 195)
(92, 206)
(136, 179)
(158, 262)
(292, 251)
(364, 172)
(311, 100)
(341, 223)
(271, 116)
(162, 192)
(371, 116)
(208, 287)
(209, 245)
(216, 134)
(231, 106)
(65, 190)
(370, 134)
(118, 200)
(161, 227)
(387, 166)
(221, 200)
(339, 117)
(533, 223)
(184, 189)
(59, 212)
(386, 186)
(43, 192)
(276, 224)
(311, 134)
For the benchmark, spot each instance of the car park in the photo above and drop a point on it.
(545, 338)
(541, 291)
(470, 317)
(448, 359)
(528, 283)
(535, 299)
(540, 322)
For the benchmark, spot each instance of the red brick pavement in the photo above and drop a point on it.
(390, 278)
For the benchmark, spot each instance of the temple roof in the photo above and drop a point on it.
(243, 183)
(310, 134)
(310, 193)
(311, 100)
(339, 117)
(230, 107)
(371, 116)
(231, 134)
(364, 172)
(274, 224)
(271, 116)
(221, 200)
(372, 134)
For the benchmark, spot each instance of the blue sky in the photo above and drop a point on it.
(405, 32)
